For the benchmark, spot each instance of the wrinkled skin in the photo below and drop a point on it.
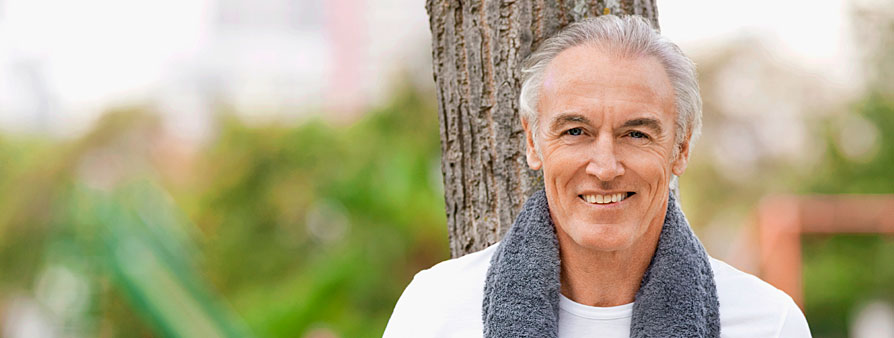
(606, 125)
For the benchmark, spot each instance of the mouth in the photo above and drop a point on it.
(606, 198)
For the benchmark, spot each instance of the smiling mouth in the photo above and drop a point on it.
(606, 199)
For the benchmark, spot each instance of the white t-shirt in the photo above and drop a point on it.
(579, 320)
(445, 301)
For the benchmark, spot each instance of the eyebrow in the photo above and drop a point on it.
(644, 122)
(567, 118)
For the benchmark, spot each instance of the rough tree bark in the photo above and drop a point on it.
(477, 46)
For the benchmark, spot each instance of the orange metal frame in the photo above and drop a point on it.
(782, 220)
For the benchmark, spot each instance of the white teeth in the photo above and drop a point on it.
(605, 199)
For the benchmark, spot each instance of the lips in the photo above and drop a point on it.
(605, 198)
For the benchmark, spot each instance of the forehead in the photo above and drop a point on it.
(588, 78)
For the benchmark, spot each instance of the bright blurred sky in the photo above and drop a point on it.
(814, 34)
(809, 29)
(97, 50)
(93, 54)
(100, 53)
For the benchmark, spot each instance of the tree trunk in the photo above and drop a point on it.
(477, 46)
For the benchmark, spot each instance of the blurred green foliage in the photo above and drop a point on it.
(844, 272)
(841, 274)
(310, 229)
(836, 174)
(375, 181)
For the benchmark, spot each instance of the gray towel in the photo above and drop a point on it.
(677, 296)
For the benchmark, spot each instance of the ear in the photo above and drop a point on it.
(682, 160)
(534, 161)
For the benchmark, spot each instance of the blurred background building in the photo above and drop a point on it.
(219, 167)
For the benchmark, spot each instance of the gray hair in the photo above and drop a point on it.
(628, 36)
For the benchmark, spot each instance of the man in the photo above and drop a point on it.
(610, 111)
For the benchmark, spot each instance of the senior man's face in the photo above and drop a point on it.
(606, 134)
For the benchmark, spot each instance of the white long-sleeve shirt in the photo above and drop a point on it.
(445, 301)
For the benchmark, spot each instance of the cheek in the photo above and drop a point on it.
(561, 162)
(649, 164)
(560, 167)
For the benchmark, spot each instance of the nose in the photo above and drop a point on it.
(604, 163)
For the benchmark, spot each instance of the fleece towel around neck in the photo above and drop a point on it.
(677, 296)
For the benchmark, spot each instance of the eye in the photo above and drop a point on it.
(638, 134)
(574, 131)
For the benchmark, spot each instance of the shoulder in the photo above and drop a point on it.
(751, 307)
(469, 265)
(443, 298)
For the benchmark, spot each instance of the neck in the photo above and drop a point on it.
(605, 278)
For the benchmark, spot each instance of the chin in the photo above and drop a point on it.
(604, 238)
